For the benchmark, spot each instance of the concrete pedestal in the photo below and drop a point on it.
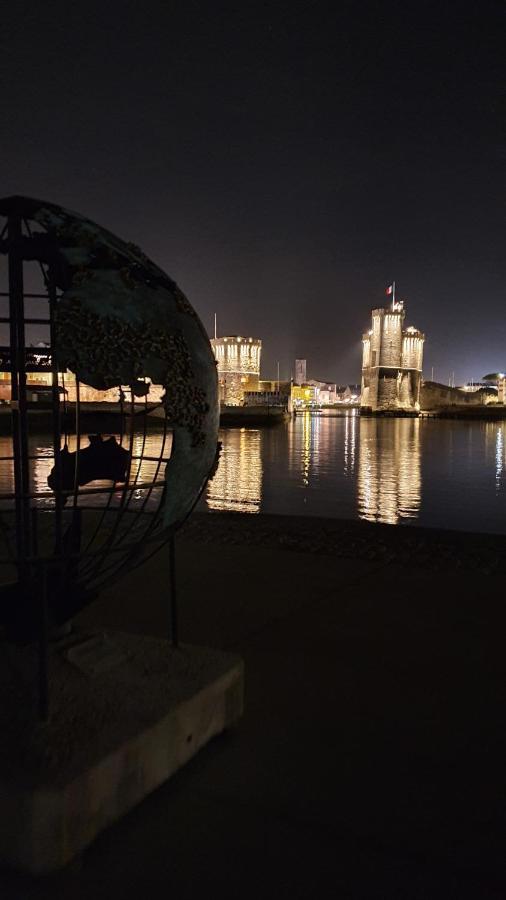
(126, 713)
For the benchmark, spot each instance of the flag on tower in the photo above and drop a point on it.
(390, 289)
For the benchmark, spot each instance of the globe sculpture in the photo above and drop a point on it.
(108, 426)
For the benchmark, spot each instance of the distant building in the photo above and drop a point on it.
(326, 391)
(304, 395)
(238, 360)
(348, 393)
(300, 371)
(392, 362)
(323, 393)
(39, 380)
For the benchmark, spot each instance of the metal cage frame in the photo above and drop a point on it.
(57, 563)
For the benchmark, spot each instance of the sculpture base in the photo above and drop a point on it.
(126, 713)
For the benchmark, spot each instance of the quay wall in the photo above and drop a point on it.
(436, 396)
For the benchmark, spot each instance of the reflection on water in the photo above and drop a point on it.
(389, 481)
(319, 443)
(237, 484)
(147, 472)
(350, 438)
(310, 432)
(439, 473)
(304, 447)
(499, 456)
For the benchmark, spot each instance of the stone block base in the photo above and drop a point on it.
(126, 713)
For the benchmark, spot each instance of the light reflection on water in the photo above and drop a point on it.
(389, 470)
(237, 485)
(144, 468)
(437, 473)
(499, 456)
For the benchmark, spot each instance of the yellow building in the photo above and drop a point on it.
(304, 395)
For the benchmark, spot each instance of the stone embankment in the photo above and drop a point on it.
(440, 396)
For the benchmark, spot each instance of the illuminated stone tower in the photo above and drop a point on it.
(391, 363)
(238, 360)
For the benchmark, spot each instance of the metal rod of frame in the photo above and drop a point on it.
(174, 624)
(43, 652)
(18, 393)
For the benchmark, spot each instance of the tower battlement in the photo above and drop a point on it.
(391, 362)
(238, 363)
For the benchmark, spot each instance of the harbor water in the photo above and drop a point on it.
(402, 471)
(431, 472)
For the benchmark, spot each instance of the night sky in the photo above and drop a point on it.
(282, 161)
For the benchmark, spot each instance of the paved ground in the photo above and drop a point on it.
(371, 759)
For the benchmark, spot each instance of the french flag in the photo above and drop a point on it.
(389, 289)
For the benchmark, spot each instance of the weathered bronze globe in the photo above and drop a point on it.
(108, 424)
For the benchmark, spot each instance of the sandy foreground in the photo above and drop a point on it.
(371, 758)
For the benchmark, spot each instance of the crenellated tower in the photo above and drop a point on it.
(392, 362)
(238, 362)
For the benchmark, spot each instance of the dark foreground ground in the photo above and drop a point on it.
(371, 761)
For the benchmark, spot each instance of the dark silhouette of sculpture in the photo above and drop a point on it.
(101, 460)
(114, 321)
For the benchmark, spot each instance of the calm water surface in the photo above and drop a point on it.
(436, 473)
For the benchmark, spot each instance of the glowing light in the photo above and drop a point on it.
(499, 453)
(389, 470)
(237, 484)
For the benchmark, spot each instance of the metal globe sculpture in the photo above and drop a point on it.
(83, 494)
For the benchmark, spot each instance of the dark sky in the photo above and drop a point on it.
(282, 161)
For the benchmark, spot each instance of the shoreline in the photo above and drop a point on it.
(434, 549)
(109, 418)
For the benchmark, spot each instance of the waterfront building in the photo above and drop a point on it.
(304, 396)
(238, 361)
(350, 393)
(392, 362)
(319, 393)
(39, 380)
(326, 391)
